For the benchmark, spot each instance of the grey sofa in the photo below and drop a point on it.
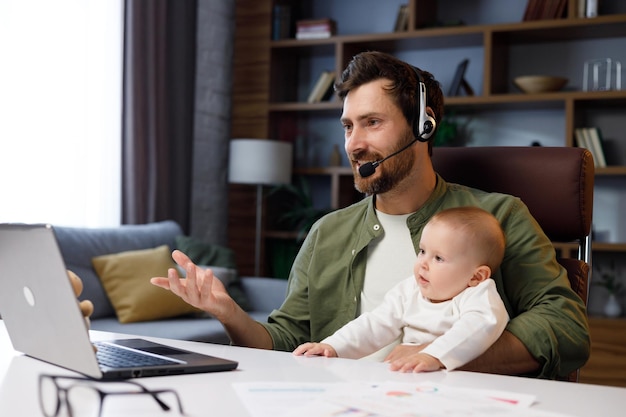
(80, 245)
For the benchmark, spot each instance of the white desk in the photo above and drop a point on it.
(212, 394)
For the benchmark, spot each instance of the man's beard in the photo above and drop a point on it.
(391, 172)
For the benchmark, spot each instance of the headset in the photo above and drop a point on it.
(424, 125)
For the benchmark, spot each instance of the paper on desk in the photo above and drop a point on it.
(389, 399)
(273, 399)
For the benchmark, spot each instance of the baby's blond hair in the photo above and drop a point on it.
(480, 226)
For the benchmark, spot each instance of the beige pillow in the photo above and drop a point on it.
(126, 277)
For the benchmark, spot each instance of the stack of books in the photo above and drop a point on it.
(591, 139)
(315, 28)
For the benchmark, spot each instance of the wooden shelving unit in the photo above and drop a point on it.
(289, 64)
(607, 363)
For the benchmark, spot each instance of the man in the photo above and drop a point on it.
(353, 256)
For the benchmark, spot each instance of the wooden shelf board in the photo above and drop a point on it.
(496, 101)
(459, 36)
(595, 246)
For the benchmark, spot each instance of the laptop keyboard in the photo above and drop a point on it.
(117, 357)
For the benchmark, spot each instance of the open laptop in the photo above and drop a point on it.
(43, 319)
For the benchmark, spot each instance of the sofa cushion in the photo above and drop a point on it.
(199, 329)
(79, 245)
(126, 277)
(221, 260)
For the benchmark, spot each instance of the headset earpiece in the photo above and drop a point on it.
(424, 125)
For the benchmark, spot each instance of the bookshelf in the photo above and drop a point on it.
(607, 363)
(499, 45)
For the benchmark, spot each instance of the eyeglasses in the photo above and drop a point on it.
(85, 397)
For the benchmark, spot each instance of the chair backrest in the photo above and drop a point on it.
(556, 183)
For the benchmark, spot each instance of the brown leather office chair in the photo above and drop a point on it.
(556, 183)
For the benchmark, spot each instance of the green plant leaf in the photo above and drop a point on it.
(298, 213)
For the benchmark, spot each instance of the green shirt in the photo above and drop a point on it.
(327, 277)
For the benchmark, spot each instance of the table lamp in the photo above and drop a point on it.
(259, 162)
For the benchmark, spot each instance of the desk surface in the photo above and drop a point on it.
(213, 394)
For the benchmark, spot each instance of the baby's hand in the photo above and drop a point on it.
(419, 362)
(315, 349)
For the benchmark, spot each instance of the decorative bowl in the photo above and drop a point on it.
(539, 83)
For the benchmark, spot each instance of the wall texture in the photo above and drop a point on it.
(249, 119)
(212, 120)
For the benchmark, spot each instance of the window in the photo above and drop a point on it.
(60, 111)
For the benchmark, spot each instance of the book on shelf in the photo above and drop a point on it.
(591, 8)
(313, 35)
(402, 19)
(281, 23)
(582, 140)
(533, 10)
(581, 8)
(590, 139)
(595, 139)
(315, 28)
(322, 88)
(545, 9)
(586, 8)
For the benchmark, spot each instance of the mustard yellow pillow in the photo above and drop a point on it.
(126, 277)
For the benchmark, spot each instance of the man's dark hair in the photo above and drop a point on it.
(370, 66)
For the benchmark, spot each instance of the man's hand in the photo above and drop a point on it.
(315, 349)
(203, 290)
(507, 356)
(86, 306)
(200, 287)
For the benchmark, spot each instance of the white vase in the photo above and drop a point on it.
(612, 307)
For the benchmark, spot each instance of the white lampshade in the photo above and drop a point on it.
(259, 161)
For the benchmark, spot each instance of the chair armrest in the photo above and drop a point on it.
(578, 275)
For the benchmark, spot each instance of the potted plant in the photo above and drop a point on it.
(608, 279)
(294, 212)
(297, 212)
(451, 131)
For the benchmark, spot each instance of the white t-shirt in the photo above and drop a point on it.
(390, 259)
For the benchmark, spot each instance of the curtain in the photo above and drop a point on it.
(158, 107)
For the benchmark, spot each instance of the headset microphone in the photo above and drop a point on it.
(369, 168)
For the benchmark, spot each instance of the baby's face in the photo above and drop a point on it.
(445, 262)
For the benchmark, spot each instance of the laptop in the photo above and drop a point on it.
(43, 319)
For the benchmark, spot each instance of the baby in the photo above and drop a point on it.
(450, 305)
